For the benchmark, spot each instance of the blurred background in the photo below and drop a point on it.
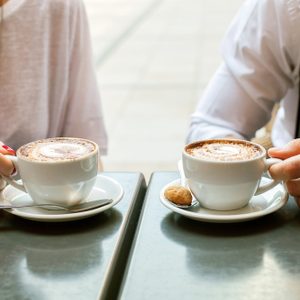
(153, 60)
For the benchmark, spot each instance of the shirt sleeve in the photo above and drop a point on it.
(84, 116)
(258, 68)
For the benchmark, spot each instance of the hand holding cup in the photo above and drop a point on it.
(289, 169)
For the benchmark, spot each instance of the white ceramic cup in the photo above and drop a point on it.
(226, 185)
(66, 182)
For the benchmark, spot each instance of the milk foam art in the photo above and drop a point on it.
(57, 149)
(60, 150)
(224, 151)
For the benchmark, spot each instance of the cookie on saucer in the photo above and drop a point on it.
(178, 195)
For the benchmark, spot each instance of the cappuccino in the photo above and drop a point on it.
(56, 149)
(224, 150)
(224, 174)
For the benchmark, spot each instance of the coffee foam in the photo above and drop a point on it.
(220, 150)
(57, 149)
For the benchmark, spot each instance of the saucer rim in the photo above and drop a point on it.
(226, 217)
(67, 216)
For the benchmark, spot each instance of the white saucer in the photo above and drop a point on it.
(105, 187)
(258, 206)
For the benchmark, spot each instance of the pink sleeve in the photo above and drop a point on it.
(84, 116)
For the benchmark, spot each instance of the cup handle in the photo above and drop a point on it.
(10, 180)
(265, 187)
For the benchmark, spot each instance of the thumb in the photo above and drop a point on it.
(6, 165)
(290, 149)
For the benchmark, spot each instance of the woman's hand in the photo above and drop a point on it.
(6, 165)
(289, 169)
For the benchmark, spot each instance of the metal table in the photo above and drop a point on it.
(74, 260)
(178, 258)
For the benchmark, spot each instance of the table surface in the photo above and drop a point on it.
(178, 258)
(73, 260)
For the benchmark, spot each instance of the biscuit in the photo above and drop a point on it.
(178, 195)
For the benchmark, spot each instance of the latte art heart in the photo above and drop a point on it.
(60, 150)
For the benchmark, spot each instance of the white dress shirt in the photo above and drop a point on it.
(48, 85)
(261, 53)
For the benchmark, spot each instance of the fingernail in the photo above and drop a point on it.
(7, 148)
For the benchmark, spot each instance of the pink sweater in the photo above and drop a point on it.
(48, 85)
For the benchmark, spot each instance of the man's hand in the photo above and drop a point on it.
(289, 169)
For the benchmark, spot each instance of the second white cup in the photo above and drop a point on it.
(223, 183)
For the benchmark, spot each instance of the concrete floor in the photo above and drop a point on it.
(153, 59)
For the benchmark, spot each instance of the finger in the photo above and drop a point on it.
(293, 187)
(6, 165)
(286, 170)
(290, 149)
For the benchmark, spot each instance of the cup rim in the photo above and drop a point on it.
(263, 150)
(58, 161)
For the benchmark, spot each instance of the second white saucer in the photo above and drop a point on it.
(258, 206)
